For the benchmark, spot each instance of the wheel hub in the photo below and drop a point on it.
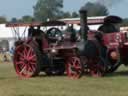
(26, 61)
(114, 55)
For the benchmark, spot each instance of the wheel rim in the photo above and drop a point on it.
(25, 61)
(74, 68)
(97, 68)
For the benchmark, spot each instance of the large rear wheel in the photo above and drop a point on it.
(27, 61)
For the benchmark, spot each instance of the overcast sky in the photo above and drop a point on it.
(19, 8)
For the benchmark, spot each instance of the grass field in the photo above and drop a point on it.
(115, 84)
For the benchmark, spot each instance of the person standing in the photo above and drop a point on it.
(31, 31)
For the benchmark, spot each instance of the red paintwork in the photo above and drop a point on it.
(113, 40)
(110, 40)
(45, 43)
(124, 54)
(118, 40)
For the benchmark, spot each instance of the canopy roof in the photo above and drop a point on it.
(53, 23)
(22, 24)
(49, 23)
(113, 19)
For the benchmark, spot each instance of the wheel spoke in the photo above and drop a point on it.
(29, 53)
(21, 54)
(78, 67)
(24, 68)
(74, 62)
(25, 49)
(33, 63)
(25, 52)
(77, 64)
(97, 68)
(32, 57)
(19, 63)
(33, 67)
(21, 58)
(30, 68)
(74, 68)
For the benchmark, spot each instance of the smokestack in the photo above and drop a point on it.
(83, 23)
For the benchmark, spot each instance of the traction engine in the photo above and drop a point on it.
(53, 53)
(104, 51)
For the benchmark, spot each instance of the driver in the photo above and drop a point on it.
(38, 31)
(73, 36)
(39, 35)
(31, 31)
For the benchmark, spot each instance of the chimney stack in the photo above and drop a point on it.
(83, 23)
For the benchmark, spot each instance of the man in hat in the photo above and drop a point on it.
(111, 24)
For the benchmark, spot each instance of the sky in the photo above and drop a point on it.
(19, 8)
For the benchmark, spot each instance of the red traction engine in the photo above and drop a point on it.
(105, 56)
(105, 52)
(54, 55)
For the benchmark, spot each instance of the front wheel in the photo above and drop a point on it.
(74, 67)
(113, 59)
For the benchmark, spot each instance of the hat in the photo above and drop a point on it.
(113, 19)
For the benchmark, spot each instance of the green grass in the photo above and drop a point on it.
(115, 84)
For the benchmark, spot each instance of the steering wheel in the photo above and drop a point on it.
(54, 33)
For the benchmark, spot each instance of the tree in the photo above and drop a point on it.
(125, 22)
(47, 9)
(66, 15)
(95, 9)
(14, 20)
(69, 15)
(27, 19)
(2, 19)
(75, 15)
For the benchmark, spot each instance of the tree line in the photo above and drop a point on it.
(45, 10)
